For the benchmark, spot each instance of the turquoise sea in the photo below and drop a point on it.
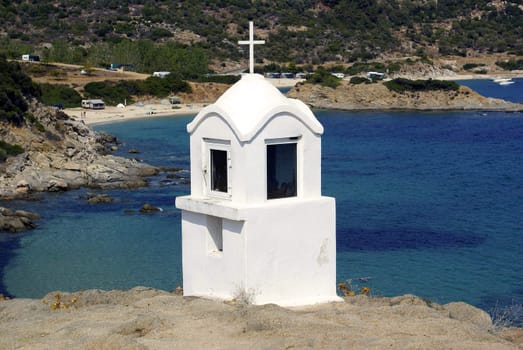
(428, 203)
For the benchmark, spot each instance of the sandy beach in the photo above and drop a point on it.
(111, 113)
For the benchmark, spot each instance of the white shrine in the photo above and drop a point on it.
(255, 222)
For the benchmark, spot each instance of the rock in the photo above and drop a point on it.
(146, 318)
(468, 313)
(99, 198)
(16, 221)
(114, 148)
(27, 214)
(57, 186)
(147, 208)
(23, 187)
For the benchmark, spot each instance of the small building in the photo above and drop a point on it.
(255, 223)
(161, 74)
(121, 67)
(272, 75)
(93, 104)
(375, 75)
(31, 58)
(338, 75)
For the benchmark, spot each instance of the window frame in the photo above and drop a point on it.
(282, 141)
(217, 145)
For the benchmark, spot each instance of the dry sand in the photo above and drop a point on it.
(148, 110)
(144, 318)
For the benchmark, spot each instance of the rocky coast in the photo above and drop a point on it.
(62, 153)
(59, 153)
(377, 96)
(144, 318)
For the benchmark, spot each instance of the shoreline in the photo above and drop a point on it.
(155, 109)
(113, 114)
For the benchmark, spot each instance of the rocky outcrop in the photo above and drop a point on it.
(148, 208)
(63, 154)
(17, 221)
(144, 318)
(377, 97)
(93, 198)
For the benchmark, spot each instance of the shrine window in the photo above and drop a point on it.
(217, 168)
(282, 167)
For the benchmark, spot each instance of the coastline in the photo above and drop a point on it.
(155, 109)
(151, 110)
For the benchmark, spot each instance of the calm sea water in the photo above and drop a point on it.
(427, 203)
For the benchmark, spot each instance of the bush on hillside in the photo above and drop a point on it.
(401, 85)
(469, 66)
(511, 64)
(110, 92)
(114, 93)
(324, 78)
(14, 86)
(359, 80)
(7, 150)
(222, 79)
(60, 94)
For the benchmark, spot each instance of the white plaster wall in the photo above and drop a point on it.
(214, 128)
(249, 165)
(290, 251)
(211, 274)
(284, 252)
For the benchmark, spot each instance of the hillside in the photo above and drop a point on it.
(43, 149)
(303, 31)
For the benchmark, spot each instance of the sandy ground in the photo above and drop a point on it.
(144, 318)
(111, 114)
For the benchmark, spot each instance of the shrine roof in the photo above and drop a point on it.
(249, 104)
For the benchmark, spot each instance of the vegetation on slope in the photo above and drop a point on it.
(404, 85)
(14, 85)
(181, 36)
(114, 93)
(54, 94)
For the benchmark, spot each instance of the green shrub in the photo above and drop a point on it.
(359, 80)
(31, 118)
(60, 94)
(114, 93)
(110, 92)
(511, 64)
(401, 85)
(360, 67)
(7, 150)
(222, 79)
(324, 78)
(469, 66)
(14, 85)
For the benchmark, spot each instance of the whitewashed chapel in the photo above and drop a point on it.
(255, 221)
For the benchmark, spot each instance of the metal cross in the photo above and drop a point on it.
(251, 42)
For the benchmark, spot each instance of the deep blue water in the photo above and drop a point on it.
(512, 93)
(427, 203)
